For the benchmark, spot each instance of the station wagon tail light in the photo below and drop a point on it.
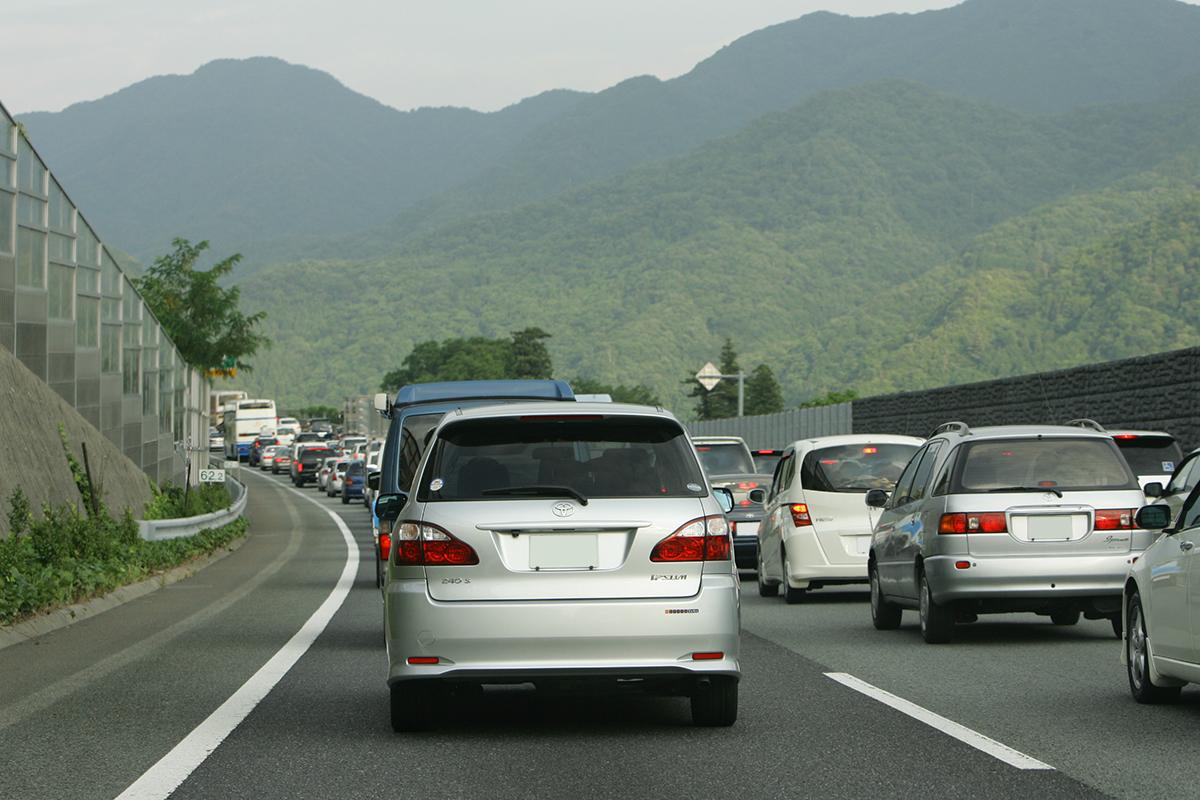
(421, 544)
(703, 539)
(800, 515)
(1114, 519)
(976, 522)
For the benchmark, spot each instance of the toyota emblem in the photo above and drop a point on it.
(563, 509)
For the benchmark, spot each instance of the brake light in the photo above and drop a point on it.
(385, 546)
(978, 522)
(299, 468)
(1114, 519)
(1126, 436)
(422, 544)
(870, 451)
(703, 539)
(744, 503)
(800, 515)
(748, 485)
(764, 452)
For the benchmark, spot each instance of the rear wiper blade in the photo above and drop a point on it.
(540, 491)
(1028, 489)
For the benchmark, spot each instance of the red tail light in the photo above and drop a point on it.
(422, 661)
(748, 485)
(1114, 519)
(422, 544)
(703, 539)
(800, 515)
(299, 468)
(715, 655)
(976, 522)
(385, 546)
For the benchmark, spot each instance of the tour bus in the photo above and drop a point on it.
(244, 420)
(218, 400)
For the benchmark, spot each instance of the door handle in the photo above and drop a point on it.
(1186, 546)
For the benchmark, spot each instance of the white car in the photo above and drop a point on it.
(816, 527)
(333, 486)
(326, 471)
(1162, 606)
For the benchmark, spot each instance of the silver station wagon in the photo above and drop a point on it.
(560, 546)
(1015, 518)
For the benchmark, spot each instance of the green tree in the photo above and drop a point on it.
(831, 399)
(200, 316)
(637, 394)
(529, 357)
(330, 413)
(723, 399)
(763, 393)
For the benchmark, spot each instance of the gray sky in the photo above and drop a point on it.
(484, 54)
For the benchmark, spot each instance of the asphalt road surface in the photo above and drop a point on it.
(91, 710)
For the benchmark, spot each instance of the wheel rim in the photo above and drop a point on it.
(1137, 647)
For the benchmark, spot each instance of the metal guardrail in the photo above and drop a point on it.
(153, 530)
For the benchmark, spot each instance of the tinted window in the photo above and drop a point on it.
(725, 459)
(922, 476)
(855, 467)
(1185, 478)
(597, 457)
(355, 468)
(315, 453)
(1057, 463)
(1150, 455)
(765, 461)
(414, 437)
(904, 484)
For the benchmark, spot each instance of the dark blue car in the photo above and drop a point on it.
(355, 480)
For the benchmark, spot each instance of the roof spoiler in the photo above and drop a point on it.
(962, 428)
(1087, 423)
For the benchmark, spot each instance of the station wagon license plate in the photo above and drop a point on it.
(564, 551)
(1050, 528)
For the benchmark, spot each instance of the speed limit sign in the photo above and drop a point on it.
(212, 476)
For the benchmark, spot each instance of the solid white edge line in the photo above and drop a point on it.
(1014, 758)
(173, 769)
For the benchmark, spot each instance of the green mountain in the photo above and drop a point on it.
(241, 152)
(834, 241)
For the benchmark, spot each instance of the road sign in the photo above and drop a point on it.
(709, 376)
(212, 476)
(232, 464)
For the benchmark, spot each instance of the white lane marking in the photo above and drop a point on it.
(1014, 758)
(173, 769)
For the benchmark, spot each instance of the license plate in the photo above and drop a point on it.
(747, 529)
(1050, 528)
(862, 545)
(564, 551)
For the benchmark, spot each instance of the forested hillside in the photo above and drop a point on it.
(877, 238)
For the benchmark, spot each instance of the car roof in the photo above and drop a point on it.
(473, 390)
(718, 440)
(577, 409)
(1011, 431)
(856, 438)
(1128, 432)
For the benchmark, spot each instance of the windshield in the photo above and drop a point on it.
(1052, 463)
(592, 456)
(725, 459)
(1150, 455)
(855, 467)
(765, 461)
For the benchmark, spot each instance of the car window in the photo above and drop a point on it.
(854, 467)
(1185, 478)
(725, 459)
(1063, 463)
(1190, 516)
(779, 478)
(1149, 455)
(942, 485)
(414, 437)
(904, 484)
(924, 473)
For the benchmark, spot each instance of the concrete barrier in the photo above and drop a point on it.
(153, 530)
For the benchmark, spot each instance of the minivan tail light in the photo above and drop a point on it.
(703, 539)
(1114, 519)
(421, 544)
(800, 515)
(975, 522)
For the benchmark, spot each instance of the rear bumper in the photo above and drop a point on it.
(508, 641)
(1045, 577)
(809, 563)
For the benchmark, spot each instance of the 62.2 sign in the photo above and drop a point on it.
(212, 476)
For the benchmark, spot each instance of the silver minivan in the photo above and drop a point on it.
(1005, 519)
(560, 546)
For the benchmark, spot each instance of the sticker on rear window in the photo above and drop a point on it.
(436, 485)
(695, 487)
(1168, 466)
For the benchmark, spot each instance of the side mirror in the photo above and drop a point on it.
(877, 498)
(724, 498)
(373, 481)
(1154, 489)
(758, 496)
(1153, 518)
(389, 506)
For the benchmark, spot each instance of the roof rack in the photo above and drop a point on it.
(962, 428)
(1087, 423)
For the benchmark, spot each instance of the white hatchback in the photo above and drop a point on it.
(816, 528)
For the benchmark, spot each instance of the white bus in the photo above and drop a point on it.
(244, 419)
(218, 399)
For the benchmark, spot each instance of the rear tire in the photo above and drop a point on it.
(411, 706)
(884, 615)
(791, 595)
(765, 589)
(937, 621)
(1137, 661)
(715, 702)
(345, 499)
(1065, 616)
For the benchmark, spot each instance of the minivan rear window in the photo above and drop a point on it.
(1149, 455)
(1043, 463)
(599, 456)
(855, 467)
(725, 459)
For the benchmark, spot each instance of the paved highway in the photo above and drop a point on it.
(103, 705)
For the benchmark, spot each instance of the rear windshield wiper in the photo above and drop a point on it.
(540, 491)
(1028, 489)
